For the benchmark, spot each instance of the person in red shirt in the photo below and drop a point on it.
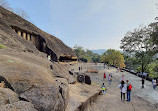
(104, 76)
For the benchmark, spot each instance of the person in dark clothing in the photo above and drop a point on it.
(143, 81)
(79, 68)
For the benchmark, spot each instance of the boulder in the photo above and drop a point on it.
(45, 98)
(7, 96)
(18, 106)
(87, 80)
(72, 79)
(9, 101)
(80, 78)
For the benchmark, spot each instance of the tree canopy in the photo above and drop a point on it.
(86, 55)
(138, 43)
(114, 57)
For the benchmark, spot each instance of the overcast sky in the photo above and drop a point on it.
(93, 24)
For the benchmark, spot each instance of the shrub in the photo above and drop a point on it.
(2, 46)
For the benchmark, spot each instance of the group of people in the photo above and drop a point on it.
(80, 68)
(125, 88)
(154, 82)
(109, 78)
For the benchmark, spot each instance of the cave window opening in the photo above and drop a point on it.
(22, 34)
(16, 31)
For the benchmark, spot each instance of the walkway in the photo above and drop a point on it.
(111, 100)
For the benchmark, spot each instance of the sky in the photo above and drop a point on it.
(92, 24)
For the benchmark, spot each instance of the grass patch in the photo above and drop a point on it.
(2, 46)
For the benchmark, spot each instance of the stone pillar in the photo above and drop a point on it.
(24, 35)
(19, 33)
(28, 37)
(33, 39)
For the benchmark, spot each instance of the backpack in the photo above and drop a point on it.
(130, 87)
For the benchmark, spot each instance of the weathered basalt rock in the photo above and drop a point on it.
(18, 106)
(9, 101)
(80, 78)
(26, 69)
(20, 34)
(87, 80)
(7, 96)
(33, 80)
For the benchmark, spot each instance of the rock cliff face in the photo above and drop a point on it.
(25, 36)
(25, 69)
(31, 78)
(9, 101)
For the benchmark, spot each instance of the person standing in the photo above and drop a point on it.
(104, 65)
(48, 57)
(118, 69)
(143, 81)
(104, 76)
(122, 78)
(154, 83)
(109, 79)
(123, 88)
(79, 68)
(103, 89)
(129, 88)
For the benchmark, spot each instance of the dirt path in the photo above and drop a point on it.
(111, 100)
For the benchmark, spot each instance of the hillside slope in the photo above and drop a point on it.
(15, 32)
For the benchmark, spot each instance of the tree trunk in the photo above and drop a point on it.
(142, 69)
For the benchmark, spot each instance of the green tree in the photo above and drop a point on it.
(86, 55)
(154, 37)
(138, 43)
(114, 57)
(130, 61)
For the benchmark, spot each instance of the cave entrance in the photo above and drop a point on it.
(67, 58)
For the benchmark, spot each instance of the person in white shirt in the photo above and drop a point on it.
(109, 79)
(123, 89)
(154, 83)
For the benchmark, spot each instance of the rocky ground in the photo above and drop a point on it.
(142, 99)
(79, 93)
(33, 80)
